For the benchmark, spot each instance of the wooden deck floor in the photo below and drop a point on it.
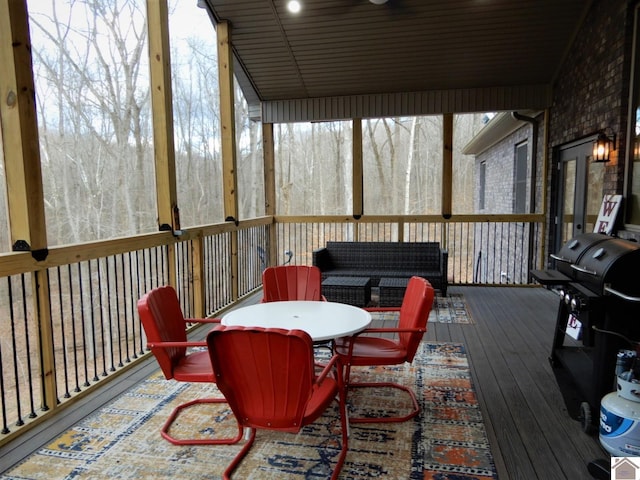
(530, 431)
(531, 434)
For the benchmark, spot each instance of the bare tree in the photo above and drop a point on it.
(197, 121)
(96, 134)
(408, 170)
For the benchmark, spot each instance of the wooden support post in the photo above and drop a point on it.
(227, 119)
(162, 111)
(21, 149)
(542, 254)
(228, 129)
(18, 120)
(358, 169)
(447, 164)
(358, 174)
(270, 188)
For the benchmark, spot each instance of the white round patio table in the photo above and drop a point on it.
(321, 320)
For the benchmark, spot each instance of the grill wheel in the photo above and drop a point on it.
(585, 418)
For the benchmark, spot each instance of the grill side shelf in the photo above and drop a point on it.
(550, 277)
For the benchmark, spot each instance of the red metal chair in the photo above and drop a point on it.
(165, 327)
(291, 282)
(363, 350)
(269, 380)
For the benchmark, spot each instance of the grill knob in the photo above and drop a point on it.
(567, 298)
(576, 304)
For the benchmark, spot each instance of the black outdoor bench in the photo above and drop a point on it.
(377, 260)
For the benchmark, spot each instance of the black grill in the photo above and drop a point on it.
(596, 277)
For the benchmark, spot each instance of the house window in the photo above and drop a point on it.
(483, 180)
(520, 179)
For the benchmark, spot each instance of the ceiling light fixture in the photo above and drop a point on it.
(378, 2)
(294, 6)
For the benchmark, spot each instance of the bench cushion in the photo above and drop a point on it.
(376, 274)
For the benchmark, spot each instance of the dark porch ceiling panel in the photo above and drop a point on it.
(344, 48)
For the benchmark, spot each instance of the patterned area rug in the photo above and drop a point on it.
(450, 309)
(446, 441)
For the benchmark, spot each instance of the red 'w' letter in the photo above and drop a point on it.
(608, 206)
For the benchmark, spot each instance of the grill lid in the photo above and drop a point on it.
(614, 262)
(572, 252)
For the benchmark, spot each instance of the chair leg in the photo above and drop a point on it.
(342, 406)
(197, 441)
(241, 454)
(410, 415)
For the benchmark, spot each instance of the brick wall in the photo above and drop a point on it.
(499, 173)
(592, 88)
(591, 91)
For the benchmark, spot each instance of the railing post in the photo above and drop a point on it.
(272, 245)
(197, 256)
(444, 240)
(42, 304)
(235, 288)
(172, 266)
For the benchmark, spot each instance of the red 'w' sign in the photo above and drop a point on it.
(608, 212)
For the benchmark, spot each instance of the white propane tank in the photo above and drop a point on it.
(620, 425)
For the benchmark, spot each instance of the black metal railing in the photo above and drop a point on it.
(483, 251)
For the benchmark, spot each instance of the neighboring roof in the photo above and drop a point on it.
(498, 128)
(337, 48)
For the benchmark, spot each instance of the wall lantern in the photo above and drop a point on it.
(603, 146)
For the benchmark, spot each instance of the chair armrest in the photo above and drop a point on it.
(389, 330)
(326, 370)
(176, 344)
(380, 330)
